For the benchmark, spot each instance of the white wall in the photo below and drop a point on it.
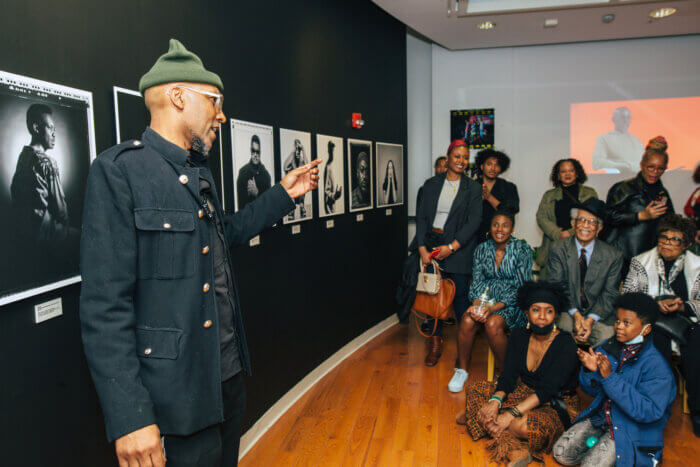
(531, 89)
(419, 71)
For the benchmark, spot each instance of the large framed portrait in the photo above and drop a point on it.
(389, 182)
(331, 183)
(48, 136)
(295, 151)
(253, 152)
(360, 174)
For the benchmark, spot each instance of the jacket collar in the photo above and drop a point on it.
(614, 347)
(172, 152)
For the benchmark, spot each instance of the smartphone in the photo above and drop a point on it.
(585, 346)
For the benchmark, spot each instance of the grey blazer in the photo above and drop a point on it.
(602, 283)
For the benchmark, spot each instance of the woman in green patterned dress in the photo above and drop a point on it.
(502, 263)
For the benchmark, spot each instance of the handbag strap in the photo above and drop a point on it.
(435, 323)
(436, 267)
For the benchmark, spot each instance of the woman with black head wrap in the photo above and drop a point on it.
(535, 399)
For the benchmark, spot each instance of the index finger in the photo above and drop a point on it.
(312, 164)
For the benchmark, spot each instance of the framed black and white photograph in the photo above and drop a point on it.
(253, 152)
(389, 182)
(295, 151)
(131, 116)
(331, 183)
(48, 137)
(360, 175)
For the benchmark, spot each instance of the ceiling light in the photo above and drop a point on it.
(551, 23)
(662, 12)
(608, 18)
(486, 25)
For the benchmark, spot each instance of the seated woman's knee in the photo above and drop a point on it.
(495, 324)
(467, 323)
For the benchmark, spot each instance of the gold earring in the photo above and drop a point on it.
(554, 328)
(528, 325)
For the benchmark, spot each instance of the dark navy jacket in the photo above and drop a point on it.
(147, 305)
(641, 394)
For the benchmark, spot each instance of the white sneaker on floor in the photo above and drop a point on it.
(458, 380)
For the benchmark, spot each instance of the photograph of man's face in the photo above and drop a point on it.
(255, 150)
(362, 172)
(43, 128)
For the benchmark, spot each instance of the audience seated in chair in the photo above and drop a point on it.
(535, 399)
(633, 388)
(670, 273)
(590, 271)
(502, 264)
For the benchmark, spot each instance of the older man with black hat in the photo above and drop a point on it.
(590, 270)
(161, 322)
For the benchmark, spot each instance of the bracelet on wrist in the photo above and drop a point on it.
(515, 412)
(497, 399)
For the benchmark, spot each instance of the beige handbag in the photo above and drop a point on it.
(429, 282)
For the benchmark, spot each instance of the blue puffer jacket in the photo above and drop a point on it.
(641, 394)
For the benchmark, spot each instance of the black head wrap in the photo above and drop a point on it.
(542, 292)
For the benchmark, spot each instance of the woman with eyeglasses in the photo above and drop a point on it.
(635, 205)
(671, 274)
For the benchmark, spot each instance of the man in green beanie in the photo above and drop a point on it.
(161, 321)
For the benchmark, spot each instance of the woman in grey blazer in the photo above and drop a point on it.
(447, 218)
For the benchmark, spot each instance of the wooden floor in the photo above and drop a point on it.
(383, 407)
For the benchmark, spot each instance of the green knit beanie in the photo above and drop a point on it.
(178, 64)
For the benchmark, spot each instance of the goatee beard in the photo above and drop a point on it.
(199, 146)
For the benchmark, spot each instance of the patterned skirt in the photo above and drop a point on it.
(543, 424)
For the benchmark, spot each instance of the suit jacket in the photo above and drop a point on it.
(547, 221)
(150, 327)
(602, 283)
(462, 221)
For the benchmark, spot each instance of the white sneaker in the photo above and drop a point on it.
(458, 380)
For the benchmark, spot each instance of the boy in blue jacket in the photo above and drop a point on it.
(633, 388)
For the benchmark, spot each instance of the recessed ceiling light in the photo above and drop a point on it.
(551, 23)
(662, 12)
(486, 25)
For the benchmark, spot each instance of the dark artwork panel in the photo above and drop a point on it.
(360, 174)
(133, 117)
(45, 161)
(475, 126)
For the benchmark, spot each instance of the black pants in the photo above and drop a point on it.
(690, 362)
(215, 446)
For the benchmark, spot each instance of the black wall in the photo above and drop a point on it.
(300, 65)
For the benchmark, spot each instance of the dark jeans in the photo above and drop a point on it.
(462, 281)
(215, 446)
(690, 362)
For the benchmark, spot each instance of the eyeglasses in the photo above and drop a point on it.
(674, 241)
(582, 221)
(217, 99)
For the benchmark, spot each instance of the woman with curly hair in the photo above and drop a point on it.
(671, 274)
(635, 205)
(554, 212)
(501, 264)
(496, 193)
(535, 399)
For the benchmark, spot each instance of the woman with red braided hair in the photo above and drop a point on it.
(635, 205)
(447, 218)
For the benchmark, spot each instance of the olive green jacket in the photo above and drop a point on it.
(547, 221)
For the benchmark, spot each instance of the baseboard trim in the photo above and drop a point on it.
(273, 414)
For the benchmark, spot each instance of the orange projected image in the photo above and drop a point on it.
(609, 137)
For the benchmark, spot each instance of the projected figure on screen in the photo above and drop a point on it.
(38, 200)
(618, 150)
(253, 178)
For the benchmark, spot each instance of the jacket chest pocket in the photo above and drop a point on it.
(166, 243)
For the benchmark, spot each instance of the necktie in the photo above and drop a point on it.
(583, 267)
